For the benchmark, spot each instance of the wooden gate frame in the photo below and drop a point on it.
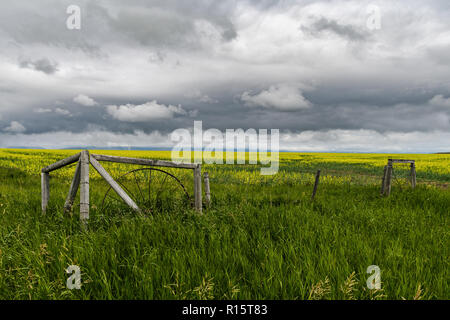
(386, 181)
(81, 179)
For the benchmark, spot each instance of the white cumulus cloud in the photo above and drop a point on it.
(144, 112)
(198, 95)
(15, 127)
(42, 110)
(439, 100)
(63, 112)
(84, 100)
(282, 97)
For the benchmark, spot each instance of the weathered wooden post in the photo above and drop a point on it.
(207, 191)
(198, 187)
(84, 187)
(316, 184)
(389, 178)
(45, 190)
(383, 180)
(73, 189)
(413, 175)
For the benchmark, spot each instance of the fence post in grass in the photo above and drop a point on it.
(84, 187)
(316, 184)
(389, 178)
(45, 190)
(207, 191)
(73, 189)
(413, 175)
(383, 180)
(198, 187)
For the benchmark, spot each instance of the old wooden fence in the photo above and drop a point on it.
(81, 179)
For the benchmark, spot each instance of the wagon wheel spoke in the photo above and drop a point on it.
(132, 196)
(110, 195)
(113, 198)
(161, 187)
(140, 191)
(149, 185)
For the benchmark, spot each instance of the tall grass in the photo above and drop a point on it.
(262, 238)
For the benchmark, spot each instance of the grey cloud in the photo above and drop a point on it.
(148, 23)
(347, 31)
(43, 65)
(229, 34)
(153, 27)
(15, 127)
(168, 26)
(440, 54)
(157, 56)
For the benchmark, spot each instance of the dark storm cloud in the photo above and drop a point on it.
(232, 64)
(147, 23)
(170, 24)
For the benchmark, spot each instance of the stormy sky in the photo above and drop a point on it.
(325, 73)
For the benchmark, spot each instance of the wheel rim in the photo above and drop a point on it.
(151, 189)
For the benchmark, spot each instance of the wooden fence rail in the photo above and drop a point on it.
(62, 163)
(145, 162)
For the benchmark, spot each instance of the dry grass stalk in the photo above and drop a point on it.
(320, 290)
(348, 287)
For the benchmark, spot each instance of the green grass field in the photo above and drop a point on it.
(262, 237)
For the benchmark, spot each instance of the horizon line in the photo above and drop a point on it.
(126, 148)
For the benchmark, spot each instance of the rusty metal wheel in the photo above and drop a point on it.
(153, 190)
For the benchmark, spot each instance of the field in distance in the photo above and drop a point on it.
(261, 238)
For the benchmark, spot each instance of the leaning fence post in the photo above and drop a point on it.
(316, 184)
(383, 180)
(84, 187)
(207, 191)
(198, 187)
(114, 185)
(45, 190)
(73, 189)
